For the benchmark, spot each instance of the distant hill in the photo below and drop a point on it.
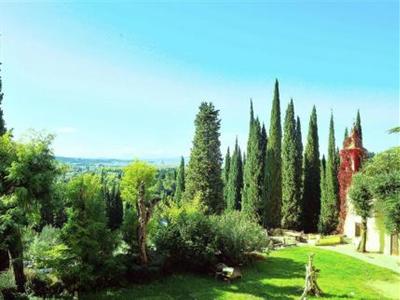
(92, 163)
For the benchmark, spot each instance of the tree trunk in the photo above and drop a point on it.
(144, 211)
(363, 241)
(311, 286)
(4, 260)
(16, 252)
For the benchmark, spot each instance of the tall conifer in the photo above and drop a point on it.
(235, 180)
(291, 210)
(358, 124)
(273, 174)
(299, 165)
(180, 181)
(252, 177)
(225, 171)
(329, 207)
(203, 177)
(312, 172)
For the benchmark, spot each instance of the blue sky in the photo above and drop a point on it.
(125, 80)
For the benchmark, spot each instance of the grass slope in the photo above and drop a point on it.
(280, 276)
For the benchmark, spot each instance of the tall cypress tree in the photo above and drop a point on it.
(264, 142)
(203, 176)
(225, 172)
(180, 181)
(252, 177)
(346, 134)
(273, 173)
(291, 218)
(2, 123)
(358, 124)
(329, 207)
(323, 191)
(235, 180)
(299, 165)
(311, 187)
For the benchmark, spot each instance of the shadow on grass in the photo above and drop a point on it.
(257, 282)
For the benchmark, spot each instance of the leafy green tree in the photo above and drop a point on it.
(204, 169)
(137, 189)
(384, 173)
(2, 123)
(291, 206)
(273, 179)
(27, 173)
(362, 200)
(134, 174)
(180, 181)
(329, 216)
(252, 173)
(235, 182)
(225, 172)
(89, 241)
(358, 127)
(312, 177)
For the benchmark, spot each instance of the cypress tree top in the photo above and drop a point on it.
(358, 125)
(2, 123)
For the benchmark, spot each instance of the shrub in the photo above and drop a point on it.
(191, 238)
(187, 241)
(236, 235)
(45, 249)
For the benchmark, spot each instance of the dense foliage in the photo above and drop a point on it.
(193, 240)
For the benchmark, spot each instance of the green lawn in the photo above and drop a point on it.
(280, 276)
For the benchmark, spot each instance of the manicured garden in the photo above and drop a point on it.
(279, 276)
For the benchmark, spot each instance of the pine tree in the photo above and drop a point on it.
(203, 176)
(180, 181)
(358, 125)
(291, 210)
(225, 172)
(235, 181)
(273, 173)
(329, 207)
(299, 165)
(311, 187)
(2, 123)
(252, 176)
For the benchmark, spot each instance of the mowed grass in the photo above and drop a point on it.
(279, 276)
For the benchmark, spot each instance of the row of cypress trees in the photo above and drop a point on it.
(276, 180)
